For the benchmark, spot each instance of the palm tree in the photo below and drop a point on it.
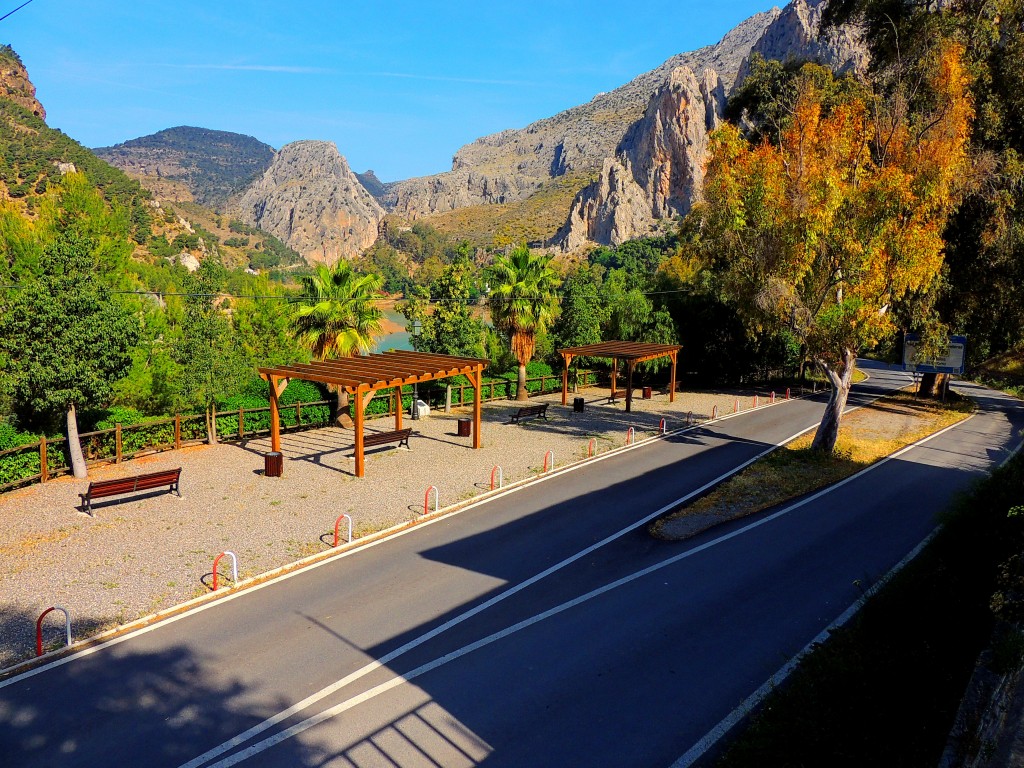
(523, 302)
(338, 317)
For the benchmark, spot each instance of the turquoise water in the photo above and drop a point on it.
(397, 340)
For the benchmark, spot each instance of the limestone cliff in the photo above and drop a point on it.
(659, 166)
(796, 34)
(310, 199)
(511, 165)
(15, 85)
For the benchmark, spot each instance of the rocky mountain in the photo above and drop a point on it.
(15, 85)
(658, 165)
(657, 171)
(311, 200)
(512, 165)
(213, 165)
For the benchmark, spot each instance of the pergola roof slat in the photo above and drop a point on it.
(623, 350)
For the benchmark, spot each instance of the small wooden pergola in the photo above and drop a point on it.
(363, 375)
(632, 352)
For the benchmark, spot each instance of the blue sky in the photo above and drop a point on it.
(398, 86)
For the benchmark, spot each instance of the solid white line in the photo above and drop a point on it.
(348, 704)
(318, 560)
(372, 666)
(708, 740)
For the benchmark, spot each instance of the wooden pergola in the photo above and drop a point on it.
(632, 352)
(362, 376)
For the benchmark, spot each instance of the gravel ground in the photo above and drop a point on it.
(145, 553)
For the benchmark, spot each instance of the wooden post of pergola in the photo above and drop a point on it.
(632, 352)
(362, 376)
(567, 359)
(277, 387)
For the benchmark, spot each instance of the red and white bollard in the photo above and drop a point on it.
(755, 401)
(426, 498)
(39, 627)
(736, 406)
(787, 393)
(501, 477)
(771, 399)
(714, 413)
(551, 455)
(590, 447)
(630, 436)
(234, 567)
(337, 523)
(662, 426)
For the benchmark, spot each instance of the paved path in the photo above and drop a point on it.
(544, 628)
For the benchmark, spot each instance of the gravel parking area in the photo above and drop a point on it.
(144, 553)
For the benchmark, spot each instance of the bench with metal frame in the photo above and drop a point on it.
(100, 489)
(530, 412)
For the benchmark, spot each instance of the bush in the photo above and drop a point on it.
(119, 414)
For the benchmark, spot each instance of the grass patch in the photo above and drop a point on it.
(884, 689)
(865, 436)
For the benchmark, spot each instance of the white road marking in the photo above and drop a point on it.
(387, 658)
(395, 682)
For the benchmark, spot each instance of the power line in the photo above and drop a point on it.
(9, 13)
(296, 299)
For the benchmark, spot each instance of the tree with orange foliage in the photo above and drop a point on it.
(825, 230)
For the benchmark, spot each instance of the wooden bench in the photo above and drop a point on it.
(102, 488)
(382, 438)
(529, 412)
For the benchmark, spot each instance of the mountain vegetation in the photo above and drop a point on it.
(214, 165)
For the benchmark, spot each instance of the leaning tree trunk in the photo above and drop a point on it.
(74, 446)
(343, 419)
(828, 431)
(521, 393)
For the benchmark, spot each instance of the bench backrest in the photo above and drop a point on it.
(136, 482)
(386, 437)
(525, 411)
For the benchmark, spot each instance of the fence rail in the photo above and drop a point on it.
(46, 458)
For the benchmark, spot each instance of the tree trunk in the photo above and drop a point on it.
(932, 384)
(211, 426)
(74, 446)
(521, 393)
(343, 420)
(828, 430)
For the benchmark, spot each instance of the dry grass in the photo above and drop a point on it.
(866, 436)
(534, 219)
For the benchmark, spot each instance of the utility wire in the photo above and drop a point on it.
(296, 299)
(10, 13)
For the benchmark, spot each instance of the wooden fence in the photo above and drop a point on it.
(47, 458)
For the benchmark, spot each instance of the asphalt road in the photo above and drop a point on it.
(542, 628)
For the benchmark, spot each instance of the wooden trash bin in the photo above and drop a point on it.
(465, 427)
(647, 393)
(273, 464)
(578, 404)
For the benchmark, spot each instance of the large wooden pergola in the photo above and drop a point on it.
(362, 376)
(632, 352)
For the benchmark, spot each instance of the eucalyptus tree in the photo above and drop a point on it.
(825, 232)
(523, 302)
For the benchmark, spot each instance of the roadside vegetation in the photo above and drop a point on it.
(796, 469)
(884, 689)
